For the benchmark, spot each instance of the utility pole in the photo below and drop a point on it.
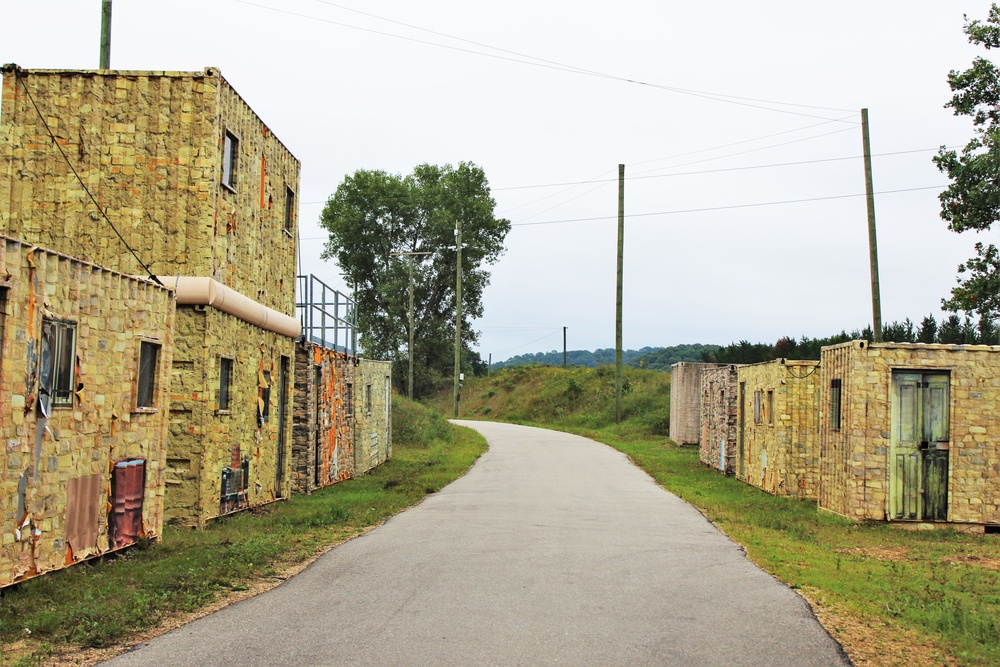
(872, 245)
(106, 34)
(564, 347)
(458, 313)
(618, 298)
(489, 365)
(409, 349)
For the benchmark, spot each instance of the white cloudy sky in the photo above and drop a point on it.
(346, 90)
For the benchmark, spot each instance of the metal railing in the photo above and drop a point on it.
(328, 317)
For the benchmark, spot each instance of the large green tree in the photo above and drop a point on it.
(373, 217)
(972, 200)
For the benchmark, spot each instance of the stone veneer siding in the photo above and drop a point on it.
(685, 402)
(149, 146)
(373, 428)
(323, 435)
(854, 466)
(780, 454)
(718, 418)
(113, 313)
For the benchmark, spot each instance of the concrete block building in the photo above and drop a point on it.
(85, 358)
(172, 174)
(685, 402)
(372, 414)
(909, 432)
(777, 429)
(718, 418)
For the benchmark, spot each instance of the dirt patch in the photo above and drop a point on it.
(876, 642)
(984, 562)
(878, 553)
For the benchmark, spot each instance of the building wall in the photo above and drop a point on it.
(779, 451)
(685, 402)
(323, 440)
(372, 411)
(149, 146)
(56, 472)
(205, 440)
(855, 459)
(718, 418)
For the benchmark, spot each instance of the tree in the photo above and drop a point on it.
(972, 200)
(372, 217)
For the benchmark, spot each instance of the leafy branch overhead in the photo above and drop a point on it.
(972, 200)
(374, 217)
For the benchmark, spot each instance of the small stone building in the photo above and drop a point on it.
(778, 418)
(685, 402)
(172, 174)
(909, 432)
(718, 418)
(372, 414)
(85, 355)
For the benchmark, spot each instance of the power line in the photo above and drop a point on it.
(548, 64)
(83, 185)
(725, 208)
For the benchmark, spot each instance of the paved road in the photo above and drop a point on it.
(553, 550)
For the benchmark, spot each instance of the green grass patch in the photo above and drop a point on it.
(102, 602)
(943, 585)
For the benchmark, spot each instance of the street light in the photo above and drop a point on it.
(409, 386)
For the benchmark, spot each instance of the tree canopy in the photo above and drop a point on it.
(972, 200)
(373, 218)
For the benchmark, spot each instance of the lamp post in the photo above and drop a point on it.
(409, 386)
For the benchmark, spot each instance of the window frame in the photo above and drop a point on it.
(225, 385)
(769, 407)
(368, 398)
(289, 211)
(230, 159)
(147, 343)
(349, 400)
(836, 404)
(758, 407)
(60, 389)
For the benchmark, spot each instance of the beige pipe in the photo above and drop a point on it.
(193, 291)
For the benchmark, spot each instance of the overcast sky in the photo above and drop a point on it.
(712, 107)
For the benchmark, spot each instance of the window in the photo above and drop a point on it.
(368, 399)
(757, 407)
(149, 354)
(225, 380)
(349, 400)
(58, 364)
(289, 210)
(3, 317)
(230, 151)
(264, 404)
(835, 404)
(770, 406)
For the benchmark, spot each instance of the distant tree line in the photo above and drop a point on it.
(952, 329)
(655, 358)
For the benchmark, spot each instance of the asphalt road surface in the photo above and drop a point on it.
(552, 550)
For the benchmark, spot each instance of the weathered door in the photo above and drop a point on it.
(919, 443)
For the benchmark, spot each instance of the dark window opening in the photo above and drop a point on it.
(368, 399)
(149, 353)
(289, 210)
(835, 404)
(770, 407)
(349, 400)
(230, 151)
(225, 379)
(58, 367)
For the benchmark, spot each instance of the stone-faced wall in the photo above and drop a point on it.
(57, 472)
(150, 148)
(718, 418)
(854, 464)
(685, 402)
(245, 449)
(777, 438)
(323, 440)
(372, 413)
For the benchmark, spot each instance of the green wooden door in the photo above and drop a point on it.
(918, 461)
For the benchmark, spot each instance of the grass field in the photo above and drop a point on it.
(106, 602)
(891, 597)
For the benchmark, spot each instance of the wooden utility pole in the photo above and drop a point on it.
(106, 34)
(618, 298)
(410, 255)
(872, 245)
(489, 365)
(564, 347)
(458, 313)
